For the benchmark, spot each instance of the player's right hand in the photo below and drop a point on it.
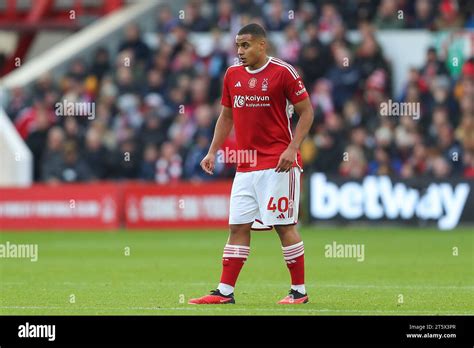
(207, 164)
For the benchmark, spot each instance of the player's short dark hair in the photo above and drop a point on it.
(253, 29)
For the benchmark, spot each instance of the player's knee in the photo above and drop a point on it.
(284, 230)
(239, 229)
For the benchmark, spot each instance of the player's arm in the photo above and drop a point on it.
(305, 110)
(224, 125)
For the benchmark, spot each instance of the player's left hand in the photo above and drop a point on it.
(286, 160)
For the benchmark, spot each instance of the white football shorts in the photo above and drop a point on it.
(265, 197)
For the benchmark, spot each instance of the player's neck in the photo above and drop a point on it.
(259, 64)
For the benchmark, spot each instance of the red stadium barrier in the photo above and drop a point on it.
(60, 207)
(183, 205)
(111, 205)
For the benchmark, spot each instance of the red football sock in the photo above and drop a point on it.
(232, 261)
(294, 258)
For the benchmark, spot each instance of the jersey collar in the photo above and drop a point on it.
(259, 69)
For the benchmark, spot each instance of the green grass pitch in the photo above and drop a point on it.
(406, 271)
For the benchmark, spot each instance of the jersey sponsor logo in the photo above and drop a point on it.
(302, 89)
(252, 82)
(300, 92)
(239, 101)
(251, 101)
(238, 84)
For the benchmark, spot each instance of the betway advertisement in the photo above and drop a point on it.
(381, 198)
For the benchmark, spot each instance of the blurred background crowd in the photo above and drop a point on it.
(156, 107)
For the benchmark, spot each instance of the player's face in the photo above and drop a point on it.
(250, 49)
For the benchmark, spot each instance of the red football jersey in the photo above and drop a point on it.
(260, 100)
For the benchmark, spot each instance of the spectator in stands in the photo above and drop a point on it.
(305, 14)
(96, 156)
(352, 113)
(134, 42)
(290, 50)
(418, 160)
(26, 120)
(329, 21)
(155, 83)
(148, 165)
(43, 85)
(388, 16)
(224, 16)
(314, 59)
(468, 164)
(73, 131)
(71, 168)
(169, 167)
(439, 167)
(450, 148)
(61, 162)
(384, 164)
(193, 19)
(52, 154)
(465, 131)
(101, 63)
(328, 147)
(217, 65)
(36, 142)
(247, 7)
(77, 70)
(276, 18)
(340, 36)
(424, 15)
(152, 131)
(125, 81)
(180, 40)
(165, 19)
(359, 136)
(126, 159)
(17, 101)
(368, 57)
(432, 67)
(192, 167)
(355, 164)
(129, 115)
(448, 16)
(344, 77)
(374, 93)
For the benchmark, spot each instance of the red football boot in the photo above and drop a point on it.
(214, 298)
(294, 297)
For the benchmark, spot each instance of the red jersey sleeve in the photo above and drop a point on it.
(295, 91)
(226, 99)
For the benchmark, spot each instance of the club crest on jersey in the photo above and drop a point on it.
(265, 85)
(252, 82)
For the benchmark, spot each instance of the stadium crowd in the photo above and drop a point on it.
(155, 108)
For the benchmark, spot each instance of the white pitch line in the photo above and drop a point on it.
(228, 309)
(315, 286)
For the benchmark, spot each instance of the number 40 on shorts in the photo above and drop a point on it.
(283, 203)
